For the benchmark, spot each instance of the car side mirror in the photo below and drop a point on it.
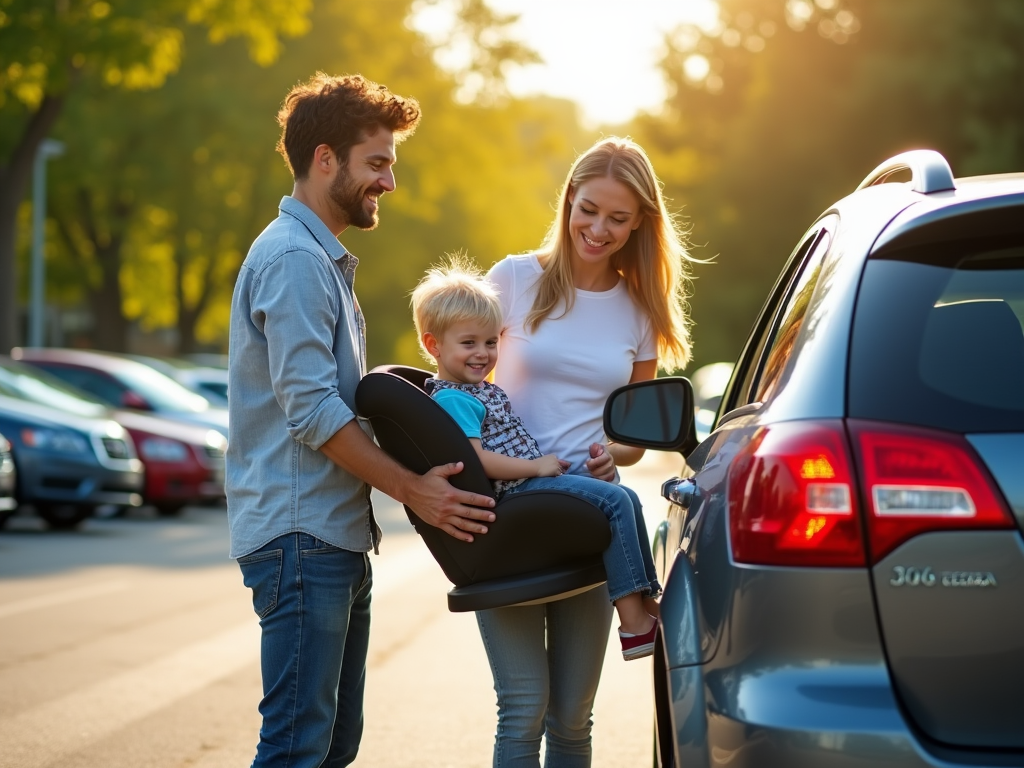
(654, 414)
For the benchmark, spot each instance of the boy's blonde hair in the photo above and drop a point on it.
(453, 292)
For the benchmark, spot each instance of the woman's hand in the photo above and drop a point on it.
(550, 466)
(601, 463)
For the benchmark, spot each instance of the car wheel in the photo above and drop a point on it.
(63, 517)
(4, 516)
(168, 510)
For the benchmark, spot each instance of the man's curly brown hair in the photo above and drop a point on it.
(339, 112)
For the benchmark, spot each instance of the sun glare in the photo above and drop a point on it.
(602, 54)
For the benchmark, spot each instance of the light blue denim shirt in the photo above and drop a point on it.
(296, 353)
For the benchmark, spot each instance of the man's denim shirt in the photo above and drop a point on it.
(297, 351)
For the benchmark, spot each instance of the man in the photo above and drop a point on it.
(300, 464)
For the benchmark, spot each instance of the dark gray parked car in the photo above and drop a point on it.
(843, 557)
(68, 465)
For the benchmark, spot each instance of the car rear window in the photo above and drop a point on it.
(938, 337)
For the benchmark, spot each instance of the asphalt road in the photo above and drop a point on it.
(131, 643)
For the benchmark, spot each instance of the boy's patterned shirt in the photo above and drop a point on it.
(501, 431)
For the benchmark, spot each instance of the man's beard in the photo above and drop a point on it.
(349, 200)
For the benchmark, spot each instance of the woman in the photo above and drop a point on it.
(599, 305)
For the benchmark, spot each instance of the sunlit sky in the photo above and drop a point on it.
(603, 54)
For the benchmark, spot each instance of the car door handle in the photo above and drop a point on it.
(679, 491)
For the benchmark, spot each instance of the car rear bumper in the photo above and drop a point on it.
(189, 487)
(830, 717)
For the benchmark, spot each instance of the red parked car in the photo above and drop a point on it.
(184, 463)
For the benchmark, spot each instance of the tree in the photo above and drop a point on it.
(47, 50)
(167, 184)
(787, 104)
(173, 185)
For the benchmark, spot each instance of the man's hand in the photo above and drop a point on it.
(601, 463)
(440, 504)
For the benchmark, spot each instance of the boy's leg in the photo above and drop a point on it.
(650, 570)
(627, 557)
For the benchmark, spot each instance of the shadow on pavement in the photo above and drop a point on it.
(196, 538)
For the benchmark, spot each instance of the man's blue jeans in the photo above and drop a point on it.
(313, 600)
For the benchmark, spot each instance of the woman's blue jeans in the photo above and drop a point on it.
(628, 560)
(313, 600)
(546, 660)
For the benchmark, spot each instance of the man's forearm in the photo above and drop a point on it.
(352, 450)
(430, 496)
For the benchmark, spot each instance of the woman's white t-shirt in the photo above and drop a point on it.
(559, 378)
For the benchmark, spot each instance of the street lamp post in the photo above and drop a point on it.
(47, 148)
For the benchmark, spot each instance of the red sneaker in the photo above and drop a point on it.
(638, 646)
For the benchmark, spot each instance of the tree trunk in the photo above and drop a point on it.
(111, 329)
(188, 317)
(14, 178)
(107, 300)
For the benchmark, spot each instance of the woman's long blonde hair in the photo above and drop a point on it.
(652, 262)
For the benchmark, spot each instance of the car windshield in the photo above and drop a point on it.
(24, 382)
(938, 338)
(162, 392)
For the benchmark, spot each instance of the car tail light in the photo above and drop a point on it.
(919, 480)
(792, 500)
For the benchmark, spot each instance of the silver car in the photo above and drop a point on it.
(843, 555)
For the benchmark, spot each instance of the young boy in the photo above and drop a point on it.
(458, 320)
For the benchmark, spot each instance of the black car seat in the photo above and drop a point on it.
(542, 546)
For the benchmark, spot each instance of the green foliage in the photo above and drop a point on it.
(48, 51)
(481, 50)
(182, 179)
(788, 104)
(778, 111)
(132, 44)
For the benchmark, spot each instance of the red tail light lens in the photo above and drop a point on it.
(919, 480)
(792, 500)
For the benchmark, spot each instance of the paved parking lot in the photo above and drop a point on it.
(131, 643)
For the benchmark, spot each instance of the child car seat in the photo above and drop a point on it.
(542, 546)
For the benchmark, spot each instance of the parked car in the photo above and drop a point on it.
(125, 383)
(67, 465)
(207, 359)
(210, 382)
(843, 557)
(8, 479)
(184, 462)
